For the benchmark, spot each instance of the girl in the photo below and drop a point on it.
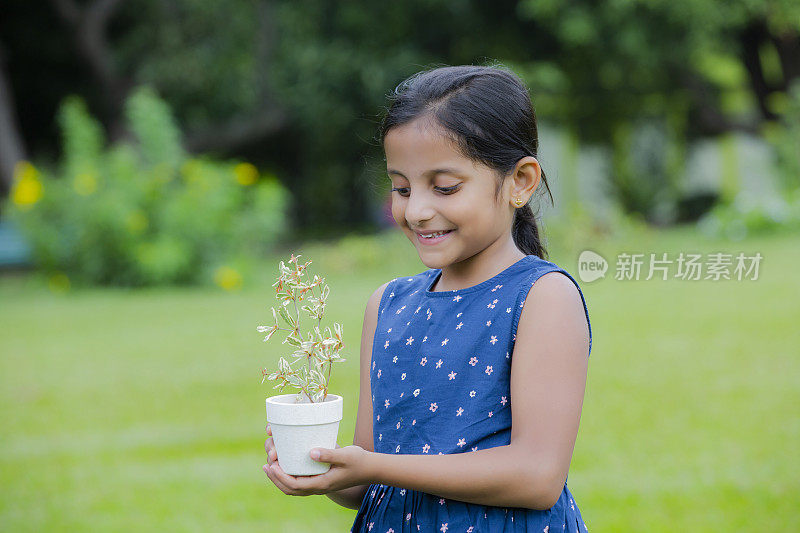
(469, 407)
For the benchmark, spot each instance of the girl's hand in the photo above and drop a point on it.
(348, 469)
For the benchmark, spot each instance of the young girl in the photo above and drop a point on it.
(469, 406)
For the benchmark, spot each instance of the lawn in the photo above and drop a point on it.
(143, 410)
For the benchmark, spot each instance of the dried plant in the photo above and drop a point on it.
(320, 350)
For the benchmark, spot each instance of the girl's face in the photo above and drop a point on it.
(435, 188)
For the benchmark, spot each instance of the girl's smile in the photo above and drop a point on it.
(433, 237)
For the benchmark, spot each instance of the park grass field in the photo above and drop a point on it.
(143, 410)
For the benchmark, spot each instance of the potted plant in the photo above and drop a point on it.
(310, 418)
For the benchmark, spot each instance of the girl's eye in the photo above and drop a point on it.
(403, 191)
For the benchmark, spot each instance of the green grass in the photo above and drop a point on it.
(135, 410)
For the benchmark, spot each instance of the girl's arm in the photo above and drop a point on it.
(352, 497)
(548, 380)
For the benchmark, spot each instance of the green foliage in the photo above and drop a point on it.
(785, 138)
(744, 216)
(144, 213)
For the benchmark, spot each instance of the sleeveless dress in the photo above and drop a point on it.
(440, 383)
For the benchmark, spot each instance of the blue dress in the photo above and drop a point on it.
(440, 382)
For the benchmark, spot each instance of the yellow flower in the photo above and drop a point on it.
(85, 183)
(228, 278)
(27, 188)
(246, 173)
(58, 282)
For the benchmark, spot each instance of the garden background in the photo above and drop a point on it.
(159, 158)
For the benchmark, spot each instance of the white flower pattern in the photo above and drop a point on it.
(476, 340)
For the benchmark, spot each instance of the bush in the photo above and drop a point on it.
(743, 216)
(143, 212)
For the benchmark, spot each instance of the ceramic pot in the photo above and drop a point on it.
(298, 426)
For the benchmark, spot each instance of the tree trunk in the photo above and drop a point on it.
(12, 148)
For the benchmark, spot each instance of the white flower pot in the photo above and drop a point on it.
(298, 426)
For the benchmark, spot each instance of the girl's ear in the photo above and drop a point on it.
(527, 175)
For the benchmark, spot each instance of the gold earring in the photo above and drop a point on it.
(518, 202)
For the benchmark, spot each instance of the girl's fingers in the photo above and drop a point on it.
(272, 454)
(286, 480)
(275, 481)
(283, 480)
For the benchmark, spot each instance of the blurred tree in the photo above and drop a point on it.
(299, 84)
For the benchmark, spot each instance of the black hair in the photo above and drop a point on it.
(487, 112)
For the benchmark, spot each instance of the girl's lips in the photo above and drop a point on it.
(434, 240)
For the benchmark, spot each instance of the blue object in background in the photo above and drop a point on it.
(14, 249)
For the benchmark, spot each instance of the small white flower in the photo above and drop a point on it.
(503, 400)
(488, 322)
(472, 394)
(426, 448)
(434, 407)
(423, 361)
(439, 363)
(458, 326)
(452, 375)
(444, 527)
(462, 442)
(473, 361)
(379, 372)
(402, 376)
(490, 414)
(457, 298)
(489, 370)
(380, 437)
(494, 339)
(394, 359)
(386, 345)
(416, 393)
(409, 340)
(508, 309)
(397, 450)
(386, 403)
(460, 410)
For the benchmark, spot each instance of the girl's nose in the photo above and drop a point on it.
(419, 209)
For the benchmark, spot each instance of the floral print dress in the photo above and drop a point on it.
(440, 383)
